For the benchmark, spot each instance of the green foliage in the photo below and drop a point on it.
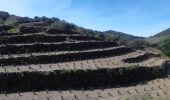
(4, 28)
(114, 38)
(133, 43)
(62, 25)
(111, 38)
(106, 37)
(164, 45)
(123, 41)
(13, 30)
(137, 44)
(98, 36)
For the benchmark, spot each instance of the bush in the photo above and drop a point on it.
(111, 38)
(4, 28)
(164, 46)
(62, 25)
(13, 30)
(137, 44)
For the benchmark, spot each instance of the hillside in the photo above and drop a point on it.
(48, 23)
(160, 36)
(163, 33)
(45, 62)
(65, 65)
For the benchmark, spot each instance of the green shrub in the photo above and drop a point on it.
(164, 46)
(111, 38)
(137, 44)
(13, 30)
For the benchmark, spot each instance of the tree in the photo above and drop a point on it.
(59, 25)
(63, 25)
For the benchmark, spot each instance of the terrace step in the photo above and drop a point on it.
(118, 60)
(150, 89)
(41, 33)
(45, 59)
(77, 79)
(91, 64)
(9, 34)
(32, 38)
(74, 65)
(20, 49)
(56, 31)
(53, 53)
(140, 58)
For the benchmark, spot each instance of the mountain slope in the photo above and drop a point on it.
(63, 64)
(121, 34)
(160, 36)
(17, 21)
(163, 33)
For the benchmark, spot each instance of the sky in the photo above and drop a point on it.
(136, 17)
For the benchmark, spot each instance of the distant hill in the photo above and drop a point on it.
(123, 35)
(163, 33)
(158, 37)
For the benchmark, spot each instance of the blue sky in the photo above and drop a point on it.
(136, 17)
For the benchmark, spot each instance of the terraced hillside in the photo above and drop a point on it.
(63, 65)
